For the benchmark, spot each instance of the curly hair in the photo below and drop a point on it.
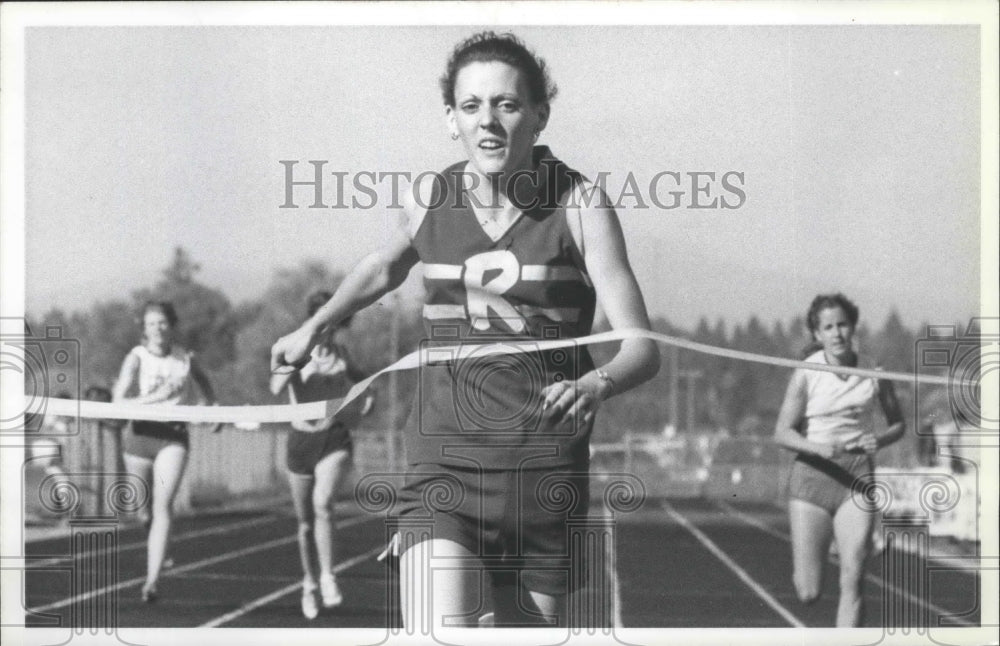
(820, 303)
(827, 301)
(488, 46)
(164, 307)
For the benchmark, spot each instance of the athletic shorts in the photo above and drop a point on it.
(146, 439)
(305, 450)
(515, 521)
(829, 483)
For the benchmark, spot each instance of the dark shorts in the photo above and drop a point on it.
(517, 522)
(305, 450)
(830, 483)
(146, 439)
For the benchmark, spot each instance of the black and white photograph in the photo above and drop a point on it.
(445, 322)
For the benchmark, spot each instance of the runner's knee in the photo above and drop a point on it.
(323, 508)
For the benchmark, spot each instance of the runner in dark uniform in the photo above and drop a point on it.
(318, 458)
(517, 248)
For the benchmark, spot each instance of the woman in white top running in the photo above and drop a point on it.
(826, 419)
(159, 371)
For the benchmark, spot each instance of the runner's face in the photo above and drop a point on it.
(156, 327)
(495, 117)
(834, 331)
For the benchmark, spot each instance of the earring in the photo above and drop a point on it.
(537, 133)
(454, 136)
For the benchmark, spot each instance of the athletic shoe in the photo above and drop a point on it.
(310, 609)
(331, 593)
(149, 594)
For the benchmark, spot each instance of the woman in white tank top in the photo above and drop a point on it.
(159, 371)
(826, 418)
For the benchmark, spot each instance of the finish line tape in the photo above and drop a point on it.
(317, 410)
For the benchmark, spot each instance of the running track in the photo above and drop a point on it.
(681, 563)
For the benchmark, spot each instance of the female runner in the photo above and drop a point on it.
(834, 457)
(517, 247)
(318, 457)
(161, 372)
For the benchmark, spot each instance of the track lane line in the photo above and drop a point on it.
(196, 533)
(871, 578)
(733, 566)
(958, 563)
(281, 592)
(226, 556)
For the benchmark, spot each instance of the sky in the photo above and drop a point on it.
(859, 149)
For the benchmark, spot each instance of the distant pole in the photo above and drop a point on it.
(674, 383)
(689, 404)
(691, 376)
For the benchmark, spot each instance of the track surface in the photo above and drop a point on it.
(681, 563)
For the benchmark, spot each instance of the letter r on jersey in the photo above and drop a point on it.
(484, 288)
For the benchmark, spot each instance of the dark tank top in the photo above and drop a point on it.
(529, 285)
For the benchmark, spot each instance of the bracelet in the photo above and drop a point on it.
(605, 378)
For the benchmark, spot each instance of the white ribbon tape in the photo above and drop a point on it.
(318, 410)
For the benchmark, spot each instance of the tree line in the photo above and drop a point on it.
(233, 341)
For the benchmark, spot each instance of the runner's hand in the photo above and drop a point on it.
(567, 399)
(291, 351)
(864, 444)
(831, 451)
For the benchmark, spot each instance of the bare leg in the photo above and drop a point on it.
(852, 527)
(302, 491)
(142, 469)
(168, 468)
(436, 589)
(812, 529)
(329, 474)
(552, 607)
(515, 605)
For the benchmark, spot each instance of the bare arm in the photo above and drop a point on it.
(603, 244)
(375, 275)
(793, 410)
(893, 415)
(126, 378)
(606, 257)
